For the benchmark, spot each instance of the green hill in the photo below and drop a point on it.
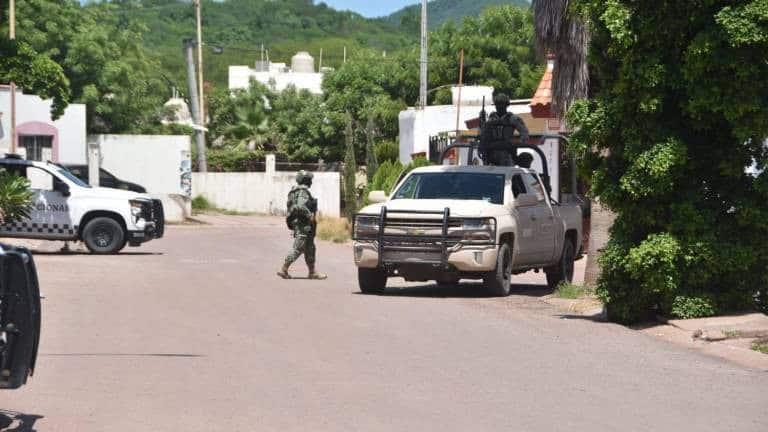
(240, 27)
(441, 11)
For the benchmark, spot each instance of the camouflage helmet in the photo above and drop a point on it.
(304, 177)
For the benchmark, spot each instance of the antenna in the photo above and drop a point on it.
(483, 115)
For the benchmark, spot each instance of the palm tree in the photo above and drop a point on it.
(15, 197)
(250, 128)
(567, 37)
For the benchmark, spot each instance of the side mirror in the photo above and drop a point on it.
(376, 197)
(526, 200)
(63, 188)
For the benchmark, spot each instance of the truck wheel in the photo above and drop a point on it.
(371, 281)
(103, 235)
(563, 271)
(498, 282)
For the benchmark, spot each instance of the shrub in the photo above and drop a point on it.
(15, 197)
(201, 203)
(232, 159)
(693, 307)
(387, 151)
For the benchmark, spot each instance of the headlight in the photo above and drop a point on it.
(366, 227)
(137, 209)
(478, 230)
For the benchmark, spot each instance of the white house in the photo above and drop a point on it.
(38, 137)
(278, 76)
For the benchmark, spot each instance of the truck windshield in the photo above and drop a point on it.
(453, 185)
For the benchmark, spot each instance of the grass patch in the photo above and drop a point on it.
(571, 291)
(761, 346)
(732, 334)
(201, 203)
(337, 230)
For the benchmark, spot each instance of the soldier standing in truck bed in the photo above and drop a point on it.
(301, 219)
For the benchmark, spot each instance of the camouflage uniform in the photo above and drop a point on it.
(504, 119)
(302, 208)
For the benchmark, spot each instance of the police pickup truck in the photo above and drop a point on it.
(66, 208)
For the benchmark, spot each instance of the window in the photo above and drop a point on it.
(37, 147)
(453, 185)
(518, 187)
(39, 179)
(534, 186)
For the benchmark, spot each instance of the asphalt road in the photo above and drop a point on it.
(195, 333)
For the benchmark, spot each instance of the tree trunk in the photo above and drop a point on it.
(601, 220)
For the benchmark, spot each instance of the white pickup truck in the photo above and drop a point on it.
(66, 208)
(446, 223)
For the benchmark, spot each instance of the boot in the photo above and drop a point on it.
(283, 273)
(315, 275)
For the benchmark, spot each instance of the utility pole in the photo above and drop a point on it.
(12, 36)
(423, 73)
(461, 84)
(200, 61)
(189, 46)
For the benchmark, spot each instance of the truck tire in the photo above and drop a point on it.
(104, 235)
(499, 281)
(563, 271)
(371, 281)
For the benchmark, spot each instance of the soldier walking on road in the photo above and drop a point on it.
(301, 218)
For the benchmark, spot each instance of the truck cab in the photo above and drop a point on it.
(66, 208)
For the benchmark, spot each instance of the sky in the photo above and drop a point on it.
(370, 8)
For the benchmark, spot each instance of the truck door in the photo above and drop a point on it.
(526, 225)
(545, 227)
(50, 216)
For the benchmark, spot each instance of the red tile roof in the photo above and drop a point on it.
(541, 104)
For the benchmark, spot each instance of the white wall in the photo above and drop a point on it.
(156, 162)
(240, 77)
(31, 108)
(160, 163)
(265, 193)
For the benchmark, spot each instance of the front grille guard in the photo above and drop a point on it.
(435, 243)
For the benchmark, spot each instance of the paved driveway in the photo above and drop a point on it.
(195, 333)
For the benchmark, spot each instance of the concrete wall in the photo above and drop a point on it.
(265, 192)
(34, 114)
(160, 163)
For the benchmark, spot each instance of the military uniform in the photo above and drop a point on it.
(300, 218)
(499, 130)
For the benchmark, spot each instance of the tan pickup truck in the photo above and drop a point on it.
(446, 223)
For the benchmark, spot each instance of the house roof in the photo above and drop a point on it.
(541, 104)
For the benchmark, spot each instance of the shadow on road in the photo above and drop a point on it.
(461, 290)
(120, 355)
(64, 253)
(12, 421)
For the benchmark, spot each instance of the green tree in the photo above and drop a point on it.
(498, 51)
(101, 53)
(34, 73)
(668, 132)
(303, 128)
(350, 170)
